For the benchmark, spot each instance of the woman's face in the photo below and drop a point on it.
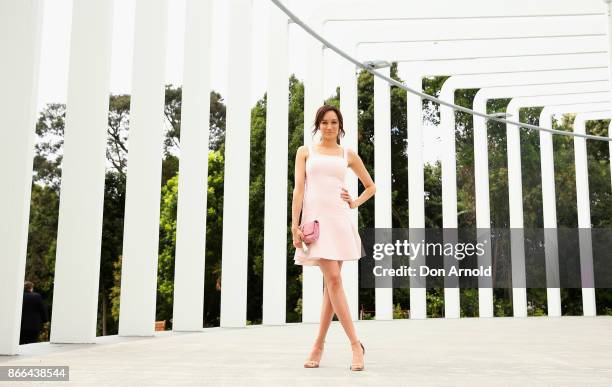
(329, 126)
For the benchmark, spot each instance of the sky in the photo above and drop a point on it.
(53, 79)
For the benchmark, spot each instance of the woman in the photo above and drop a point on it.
(319, 191)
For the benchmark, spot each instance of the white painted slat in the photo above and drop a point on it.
(382, 175)
(234, 265)
(277, 137)
(79, 234)
(21, 21)
(143, 188)
(188, 304)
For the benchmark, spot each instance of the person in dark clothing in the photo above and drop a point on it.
(33, 315)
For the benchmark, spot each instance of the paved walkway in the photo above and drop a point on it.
(566, 351)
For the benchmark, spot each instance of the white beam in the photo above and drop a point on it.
(464, 28)
(392, 9)
(608, 22)
(188, 305)
(416, 193)
(382, 173)
(411, 51)
(608, 14)
(143, 188)
(312, 279)
(277, 137)
(79, 234)
(20, 27)
(584, 210)
(348, 104)
(234, 262)
(610, 149)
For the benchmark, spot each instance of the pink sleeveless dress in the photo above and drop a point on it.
(338, 234)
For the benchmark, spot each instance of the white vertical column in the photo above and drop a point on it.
(234, 264)
(79, 234)
(609, 17)
(312, 279)
(609, 20)
(452, 308)
(188, 306)
(515, 202)
(549, 210)
(483, 206)
(20, 27)
(382, 174)
(610, 149)
(277, 137)
(141, 225)
(348, 104)
(416, 194)
(583, 206)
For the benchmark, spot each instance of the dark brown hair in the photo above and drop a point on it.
(28, 286)
(319, 117)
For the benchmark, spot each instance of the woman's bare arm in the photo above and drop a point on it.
(298, 188)
(356, 164)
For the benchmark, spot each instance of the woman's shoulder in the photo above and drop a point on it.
(302, 150)
(350, 153)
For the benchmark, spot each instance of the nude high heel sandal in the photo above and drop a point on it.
(313, 363)
(358, 366)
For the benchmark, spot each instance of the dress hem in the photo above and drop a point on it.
(315, 261)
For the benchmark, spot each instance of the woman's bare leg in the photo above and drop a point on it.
(327, 313)
(333, 279)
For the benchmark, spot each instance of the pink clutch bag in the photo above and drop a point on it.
(310, 230)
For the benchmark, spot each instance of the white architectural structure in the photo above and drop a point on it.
(143, 189)
(505, 65)
(19, 76)
(584, 210)
(549, 207)
(191, 224)
(236, 178)
(277, 137)
(515, 49)
(79, 235)
(426, 44)
(447, 125)
(565, 103)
